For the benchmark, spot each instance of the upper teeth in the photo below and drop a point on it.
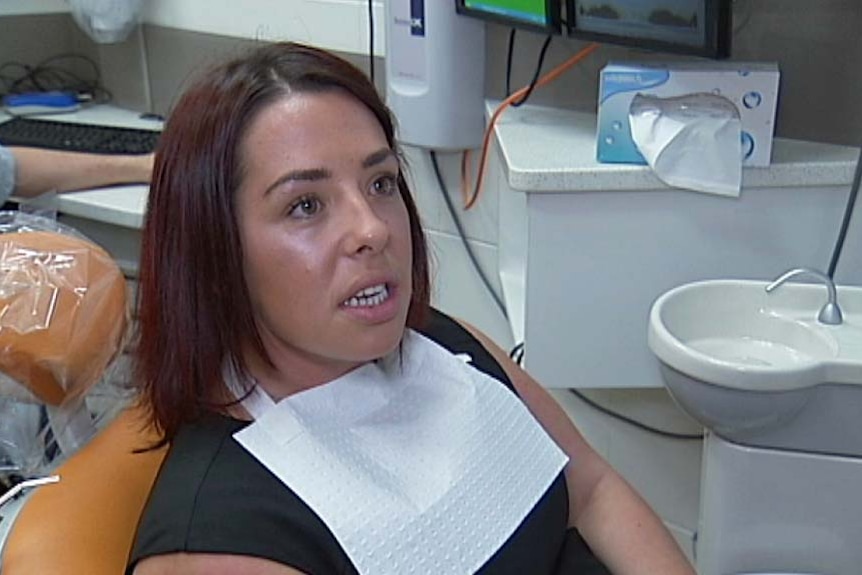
(370, 296)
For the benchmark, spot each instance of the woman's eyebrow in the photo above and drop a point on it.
(378, 157)
(317, 174)
(310, 175)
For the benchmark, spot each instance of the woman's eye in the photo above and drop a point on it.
(385, 185)
(304, 207)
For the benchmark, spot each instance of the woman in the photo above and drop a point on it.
(282, 253)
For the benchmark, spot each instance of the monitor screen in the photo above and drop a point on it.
(540, 15)
(699, 27)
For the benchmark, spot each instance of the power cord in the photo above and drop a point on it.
(509, 55)
(371, 40)
(517, 354)
(510, 49)
(536, 74)
(49, 76)
(845, 222)
(634, 422)
(458, 225)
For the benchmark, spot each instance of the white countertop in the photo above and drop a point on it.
(122, 206)
(554, 150)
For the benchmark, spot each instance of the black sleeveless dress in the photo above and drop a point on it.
(212, 496)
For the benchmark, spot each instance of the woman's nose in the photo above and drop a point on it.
(368, 230)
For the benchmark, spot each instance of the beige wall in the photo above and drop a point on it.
(30, 40)
(815, 43)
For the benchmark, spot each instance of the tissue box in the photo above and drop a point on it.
(751, 86)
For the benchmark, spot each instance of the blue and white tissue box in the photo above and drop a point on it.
(751, 86)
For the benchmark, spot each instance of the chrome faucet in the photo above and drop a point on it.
(830, 313)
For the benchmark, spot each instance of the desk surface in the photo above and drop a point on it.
(116, 205)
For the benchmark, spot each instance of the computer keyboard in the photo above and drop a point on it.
(73, 137)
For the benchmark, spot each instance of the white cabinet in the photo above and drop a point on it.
(585, 248)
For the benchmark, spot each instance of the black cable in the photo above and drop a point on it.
(371, 40)
(509, 51)
(536, 74)
(8, 79)
(442, 187)
(97, 74)
(48, 76)
(845, 222)
(634, 422)
(517, 354)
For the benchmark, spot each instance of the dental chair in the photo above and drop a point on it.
(85, 524)
(63, 317)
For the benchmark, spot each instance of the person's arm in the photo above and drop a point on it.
(211, 564)
(619, 526)
(38, 171)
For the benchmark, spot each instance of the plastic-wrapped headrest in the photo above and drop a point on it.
(63, 312)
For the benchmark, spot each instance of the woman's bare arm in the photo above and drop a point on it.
(38, 171)
(615, 521)
(210, 564)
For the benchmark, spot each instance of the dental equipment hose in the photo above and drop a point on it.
(848, 214)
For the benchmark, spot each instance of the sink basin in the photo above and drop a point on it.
(759, 368)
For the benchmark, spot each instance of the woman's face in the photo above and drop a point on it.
(325, 239)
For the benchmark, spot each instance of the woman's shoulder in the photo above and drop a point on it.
(171, 508)
(212, 496)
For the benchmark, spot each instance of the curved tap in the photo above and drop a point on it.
(830, 313)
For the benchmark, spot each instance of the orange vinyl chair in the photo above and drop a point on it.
(85, 524)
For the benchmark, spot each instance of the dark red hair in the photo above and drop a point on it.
(193, 302)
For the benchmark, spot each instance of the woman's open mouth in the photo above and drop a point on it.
(368, 297)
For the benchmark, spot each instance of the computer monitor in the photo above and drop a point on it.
(697, 27)
(538, 15)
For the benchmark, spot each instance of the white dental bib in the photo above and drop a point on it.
(418, 463)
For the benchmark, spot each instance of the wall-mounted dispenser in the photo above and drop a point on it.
(435, 79)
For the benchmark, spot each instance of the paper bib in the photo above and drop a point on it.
(417, 464)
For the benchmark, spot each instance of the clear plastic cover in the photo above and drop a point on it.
(63, 321)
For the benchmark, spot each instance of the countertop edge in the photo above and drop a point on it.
(795, 163)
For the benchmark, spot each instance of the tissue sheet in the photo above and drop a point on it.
(691, 141)
(417, 464)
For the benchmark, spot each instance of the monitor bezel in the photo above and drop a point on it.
(553, 8)
(716, 40)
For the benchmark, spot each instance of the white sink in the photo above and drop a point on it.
(759, 368)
